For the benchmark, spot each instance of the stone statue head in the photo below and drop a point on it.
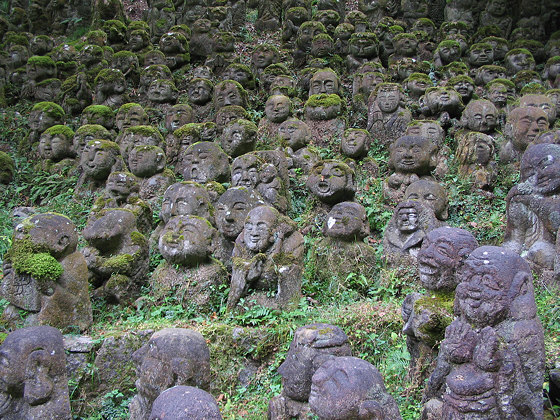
(98, 114)
(204, 162)
(311, 346)
(87, 133)
(294, 133)
(355, 143)
(146, 161)
(519, 59)
(480, 54)
(323, 107)
(442, 253)
(278, 108)
(524, 124)
(44, 115)
(413, 155)
(110, 231)
(172, 356)
(130, 115)
(186, 240)
(539, 167)
(184, 199)
(177, 116)
(200, 91)
(185, 403)
(239, 137)
(232, 209)
(480, 115)
(347, 221)
(389, 97)
(322, 45)
(540, 101)
(260, 228)
(499, 91)
(324, 81)
(331, 181)
(350, 388)
(100, 158)
(476, 148)
(363, 45)
(229, 92)
(448, 51)
(306, 32)
(241, 74)
(431, 194)
(264, 55)
(245, 170)
(33, 380)
(229, 113)
(162, 91)
(441, 99)
(56, 143)
(495, 284)
(429, 129)
(120, 185)
(464, 86)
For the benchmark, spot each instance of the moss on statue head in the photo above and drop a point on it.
(51, 109)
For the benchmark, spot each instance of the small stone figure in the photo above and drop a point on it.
(387, 114)
(363, 47)
(430, 194)
(267, 257)
(324, 116)
(332, 182)
(426, 316)
(355, 143)
(312, 345)
(148, 164)
(441, 103)
(205, 162)
(406, 230)
(263, 56)
(33, 376)
(172, 356)
(491, 362)
(540, 101)
(522, 127)
(277, 110)
(480, 115)
(45, 275)
(130, 115)
(110, 89)
(42, 116)
(116, 255)
(162, 95)
(186, 244)
(412, 158)
(517, 60)
(239, 137)
(55, 148)
(185, 403)
(346, 388)
(229, 92)
(476, 156)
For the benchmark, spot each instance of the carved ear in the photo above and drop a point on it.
(519, 285)
(38, 387)
(370, 410)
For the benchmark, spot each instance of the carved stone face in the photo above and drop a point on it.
(204, 162)
(232, 209)
(130, 117)
(406, 46)
(178, 116)
(388, 99)
(428, 129)
(278, 108)
(519, 61)
(185, 199)
(311, 346)
(498, 95)
(137, 42)
(171, 357)
(170, 43)
(480, 55)
(442, 99)
(245, 171)
(488, 73)
(208, 131)
(306, 33)
(239, 137)
(162, 91)
(481, 115)
(465, 89)
(416, 86)
(185, 403)
(497, 8)
(483, 296)
(98, 159)
(407, 220)
(146, 161)
(228, 93)
(331, 181)
(431, 194)
(120, 185)
(539, 167)
(362, 47)
(54, 146)
(258, 232)
(39, 72)
(442, 252)
(324, 82)
(526, 124)
(186, 240)
(295, 133)
(347, 221)
(449, 53)
(263, 57)
(32, 373)
(355, 143)
(241, 75)
(540, 101)
(39, 121)
(341, 385)
(199, 91)
(412, 154)
(107, 232)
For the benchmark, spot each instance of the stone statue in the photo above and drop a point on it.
(324, 116)
(345, 388)
(426, 316)
(387, 114)
(205, 162)
(33, 376)
(331, 182)
(99, 159)
(239, 137)
(491, 362)
(87, 133)
(441, 103)
(185, 403)
(186, 243)
(229, 92)
(172, 356)
(312, 345)
(55, 148)
(412, 158)
(267, 257)
(476, 154)
(148, 164)
(430, 194)
(116, 255)
(277, 110)
(45, 275)
(406, 230)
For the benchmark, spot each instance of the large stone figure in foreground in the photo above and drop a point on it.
(33, 382)
(491, 362)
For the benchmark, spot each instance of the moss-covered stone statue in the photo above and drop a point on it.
(116, 255)
(426, 316)
(45, 275)
(148, 164)
(98, 160)
(387, 114)
(267, 258)
(325, 116)
(55, 150)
